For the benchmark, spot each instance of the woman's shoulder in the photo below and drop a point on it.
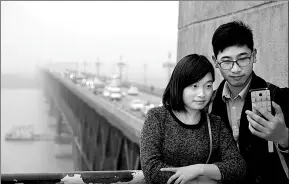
(158, 111)
(156, 116)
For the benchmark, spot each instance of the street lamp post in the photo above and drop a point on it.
(120, 65)
(169, 65)
(145, 73)
(97, 65)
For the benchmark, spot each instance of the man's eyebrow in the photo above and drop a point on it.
(226, 57)
(229, 57)
(243, 53)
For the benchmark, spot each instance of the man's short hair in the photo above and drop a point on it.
(190, 69)
(234, 33)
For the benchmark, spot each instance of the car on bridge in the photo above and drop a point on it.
(76, 77)
(115, 93)
(137, 104)
(105, 92)
(95, 85)
(133, 90)
(89, 84)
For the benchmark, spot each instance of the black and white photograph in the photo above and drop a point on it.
(144, 92)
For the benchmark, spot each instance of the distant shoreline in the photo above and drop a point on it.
(19, 81)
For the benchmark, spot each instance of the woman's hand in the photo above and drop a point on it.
(183, 174)
(203, 180)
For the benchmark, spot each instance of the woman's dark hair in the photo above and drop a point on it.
(234, 33)
(190, 69)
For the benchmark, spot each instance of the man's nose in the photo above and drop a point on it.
(236, 67)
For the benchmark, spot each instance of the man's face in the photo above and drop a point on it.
(237, 76)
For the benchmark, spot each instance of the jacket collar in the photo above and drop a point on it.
(256, 82)
(227, 93)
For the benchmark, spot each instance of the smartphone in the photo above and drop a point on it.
(261, 97)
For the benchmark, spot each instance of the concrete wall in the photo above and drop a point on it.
(269, 21)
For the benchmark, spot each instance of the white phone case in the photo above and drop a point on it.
(262, 98)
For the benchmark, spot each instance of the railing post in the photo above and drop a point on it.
(59, 123)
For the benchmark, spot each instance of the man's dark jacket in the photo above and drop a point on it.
(262, 167)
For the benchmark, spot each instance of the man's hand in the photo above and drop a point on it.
(273, 128)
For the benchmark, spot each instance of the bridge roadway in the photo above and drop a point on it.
(124, 102)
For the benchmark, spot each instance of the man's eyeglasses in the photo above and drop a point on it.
(229, 64)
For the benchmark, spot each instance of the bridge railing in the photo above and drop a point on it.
(85, 177)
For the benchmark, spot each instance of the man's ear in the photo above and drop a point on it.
(215, 61)
(254, 55)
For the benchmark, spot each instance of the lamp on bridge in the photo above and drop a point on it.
(84, 66)
(145, 66)
(97, 65)
(120, 65)
(169, 65)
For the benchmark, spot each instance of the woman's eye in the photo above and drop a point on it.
(194, 86)
(209, 86)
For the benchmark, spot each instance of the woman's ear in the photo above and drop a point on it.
(215, 61)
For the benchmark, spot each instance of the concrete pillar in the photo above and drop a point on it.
(269, 21)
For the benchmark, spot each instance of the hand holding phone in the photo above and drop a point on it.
(261, 97)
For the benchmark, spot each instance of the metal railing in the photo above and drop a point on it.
(85, 177)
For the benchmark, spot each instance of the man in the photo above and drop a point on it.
(234, 56)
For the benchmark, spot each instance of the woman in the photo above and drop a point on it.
(175, 139)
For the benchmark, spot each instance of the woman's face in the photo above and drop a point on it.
(197, 95)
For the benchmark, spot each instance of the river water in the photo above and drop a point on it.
(28, 107)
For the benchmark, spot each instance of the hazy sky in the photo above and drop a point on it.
(37, 32)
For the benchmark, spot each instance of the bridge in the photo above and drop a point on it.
(105, 134)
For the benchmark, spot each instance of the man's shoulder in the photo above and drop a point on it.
(259, 80)
(214, 100)
(276, 89)
(217, 91)
(280, 95)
